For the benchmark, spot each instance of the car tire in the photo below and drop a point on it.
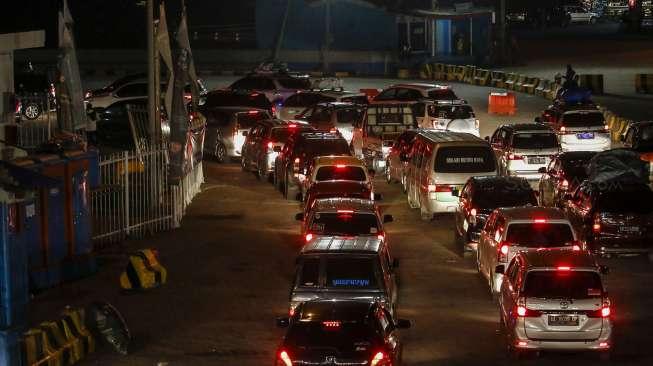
(259, 174)
(31, 111)
(220, 153)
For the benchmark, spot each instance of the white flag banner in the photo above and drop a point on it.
(163, 45)
(74, 116)
(184, 43)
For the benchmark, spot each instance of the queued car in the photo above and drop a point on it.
(455, 116)
(396, 161)
(339, 189)
(236, 98)
(337, 169)
(613, 218)
(345, 268)
(276, 86)
(556, 301)
(336, 116)
(481, 196)
(264, 142)
(292, 163)
(522, 149)
(578, 14)
(579, 126)
(34, 93)
(346, 217)
(440, 164)
(414, 92)
(639, 137)
(300, 101)
(227, 128)
(565, 172)
(340, 333)
(509, 231)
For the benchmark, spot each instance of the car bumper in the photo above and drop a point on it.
(441, 206)
(597, 146)
(603, 343)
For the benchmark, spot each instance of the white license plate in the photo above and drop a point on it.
(537, 160)
(563, 320)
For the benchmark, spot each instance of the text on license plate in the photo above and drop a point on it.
(585, 135)
(537, 160)
(568, 320)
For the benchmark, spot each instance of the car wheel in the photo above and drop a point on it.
(259, 174)
(32, 111)
(221, 153)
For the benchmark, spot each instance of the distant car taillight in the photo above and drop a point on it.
(502, 251)
(512, 156)
(564, 184)
(596, 226)
(521, 311)
(379, 359)
(284, 359)
(439, 188)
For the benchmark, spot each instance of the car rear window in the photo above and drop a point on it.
(351, 273)
(295, 83)
(630, 201)
(340, 173)
(489, 198)
(442, 94)
(563, 285)
(465, 159)
(322, 147)
(540, 235)
(534, 141)
(345, 223)
(249, 119)
(310, 273)
(583, 119)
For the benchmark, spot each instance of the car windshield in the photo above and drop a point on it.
(635, 201)
(442, 94)
(313, 334)
(489, 198)
(350, 115)
(534, 141)
(281, 134)
(321, 147)
(465, 159)
(351, 272)
(583, 119)
(295, 83)
(345, 223)
(563, 285)
(340, 173)
(451, 112)
(540, 235)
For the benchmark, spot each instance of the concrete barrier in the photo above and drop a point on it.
(644, 83)
(470, 74)
(530, 84)
(593, 82)
(482, 77)
(498, 79)
(401, 74)
(543, 88)
(440, 72)
(511, 79)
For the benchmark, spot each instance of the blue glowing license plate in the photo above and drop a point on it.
(585, 135)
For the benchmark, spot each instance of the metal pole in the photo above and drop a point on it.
(282, 31)
(471, 36)
(156, 133)
(151, 77)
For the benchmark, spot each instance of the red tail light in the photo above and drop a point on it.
(252, 112)
(378, 359)
(284, 359)
(523, 312)
(309, 237)
(472, 212)
(341, 166)
(270, 145)
(345, 211)
(512, 156)
(332, 324)
(540, 221)
(604, 312)
(563, 129)
(381, 236)
(596, 227)
(439, 188)
(292, 125)
(502, 251)
(564, 268)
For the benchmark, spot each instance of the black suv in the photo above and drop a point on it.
(340, 333)
(639, 136)
(481, 195)
(565, 173)
(613, 218)
(292, 163)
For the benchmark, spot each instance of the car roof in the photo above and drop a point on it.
(343, 310)
(449, 136)
(553, 258)
(336, 93)
(532, 213)
(333, 160)
(341, 203)
(523, 127)
(421, 86)
(323, 244)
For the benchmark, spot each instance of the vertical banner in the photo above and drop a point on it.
(72, 101)
(163, 45)
(184, 43)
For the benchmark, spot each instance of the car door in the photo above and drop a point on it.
(493, 239)
(510, 292)
(388, 331)
(389, 275)
(463, 201)
(573, 208)
(546, 184)
(484, 243)
(498, 144)
(425, 171)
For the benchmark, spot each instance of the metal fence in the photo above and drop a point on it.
(35, 122)
(135, 198)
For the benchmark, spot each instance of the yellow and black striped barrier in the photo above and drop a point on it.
(543, 88)
(519, 84)
(440, 72)
(644, 83)
(143, 271)
(426, 72)
(511, 79)
(498, 79)
(75, 331)
(470, 73)
(593, 82)
(530, 85)
(482, 77)
(38, 351)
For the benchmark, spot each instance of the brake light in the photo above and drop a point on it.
(273, 109)
(333, 130)
(521, 311)
(292, 125)
(377, 359)
(564, 268)
(381, 236)
(438, 188)
(309, 236)
(270, 145)
(331, 324)
(540, 221)
(472, 212)
(297, 160)
(252, 112)
(596, 227)
(502, 253)
(564, 184)
(606, 128)
(341, 166)
(575, 248)
(512, 156)
(605, 312)
(345, 211)
(283, 357)
(563, 129)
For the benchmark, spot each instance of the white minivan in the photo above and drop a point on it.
(439, 165)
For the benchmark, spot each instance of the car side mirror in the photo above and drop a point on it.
(283, 322)
(487, 138)
(378, 197)
(604, 269)
(404, 324)
(538, 119)
(500, 269)
(299, 216)
(395, 263)
(542, 170)
(276, 149)
(388, 218)
(371, 172)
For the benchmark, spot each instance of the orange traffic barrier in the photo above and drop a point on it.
(502, 103)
